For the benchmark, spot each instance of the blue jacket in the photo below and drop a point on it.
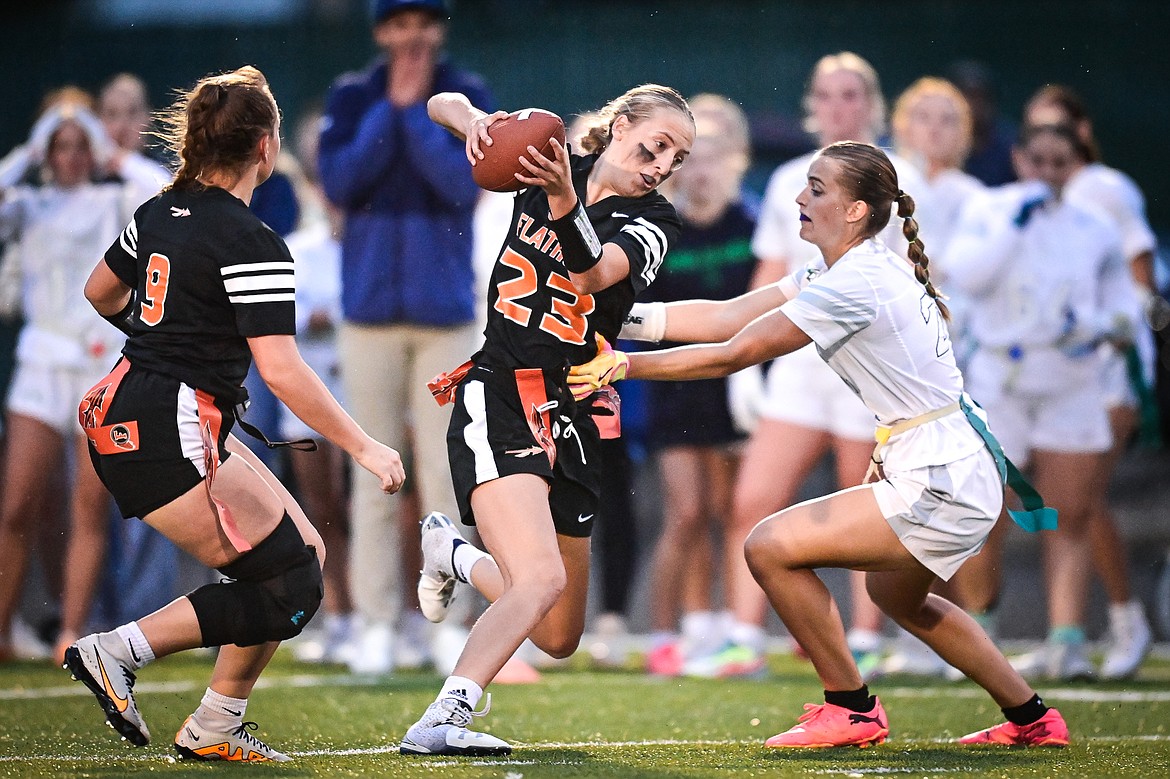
(406, 189)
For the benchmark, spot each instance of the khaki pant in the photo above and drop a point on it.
(385, 370)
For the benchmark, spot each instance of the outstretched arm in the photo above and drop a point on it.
(703, 321)
(769, 336)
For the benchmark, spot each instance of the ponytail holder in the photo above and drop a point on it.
(901, 194)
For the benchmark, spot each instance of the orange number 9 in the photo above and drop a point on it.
(158, 276)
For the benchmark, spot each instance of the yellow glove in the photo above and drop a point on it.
(607, 367)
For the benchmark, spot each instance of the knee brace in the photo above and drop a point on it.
(275, 590)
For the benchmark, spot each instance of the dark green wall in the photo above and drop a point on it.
(573, 55)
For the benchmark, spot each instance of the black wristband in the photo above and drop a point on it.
(580, 246)
(121, 320)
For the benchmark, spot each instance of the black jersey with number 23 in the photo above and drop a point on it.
(536, 318)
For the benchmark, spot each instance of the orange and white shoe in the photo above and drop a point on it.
(826, 725)
(194, 742)
(1048, 731)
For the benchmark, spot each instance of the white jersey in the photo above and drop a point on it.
(880, 331)
(777, 236)
(947, 193)
(58, 235)
(1041, 297)
(1097, 186)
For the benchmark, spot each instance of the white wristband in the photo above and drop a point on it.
(645, 322)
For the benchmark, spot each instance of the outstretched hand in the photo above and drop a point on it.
(608, 366)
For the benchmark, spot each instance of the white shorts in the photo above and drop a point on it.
(1116, 384)
(50, 393)
(802, 389)
(1044, 402)
(943, 513)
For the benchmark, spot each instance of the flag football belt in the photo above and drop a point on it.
(1034, 516)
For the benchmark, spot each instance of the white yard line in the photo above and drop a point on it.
(393, 749)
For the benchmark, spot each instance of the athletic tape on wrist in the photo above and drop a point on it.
(580, 246)
(645, 322)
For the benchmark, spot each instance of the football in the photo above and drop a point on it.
(511, 137)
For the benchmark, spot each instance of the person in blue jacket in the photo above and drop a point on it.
(408, 288)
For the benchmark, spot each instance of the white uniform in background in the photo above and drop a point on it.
(1097, 186)
(57, 235)
(877, 328)
(800, 389)
(1042, 298)
(947, 193)
(317, 265)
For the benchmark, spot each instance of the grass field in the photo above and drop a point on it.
(579, 723)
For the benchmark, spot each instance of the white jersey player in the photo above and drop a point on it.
(878, 323)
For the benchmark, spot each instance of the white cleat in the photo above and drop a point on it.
(437, 582)
(112, 683)
(443, 731)
(1056, 661)
(194, 742)
(1130, 641)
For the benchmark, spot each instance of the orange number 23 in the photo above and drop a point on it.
(566, 318)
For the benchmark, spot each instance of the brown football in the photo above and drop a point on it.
(511, 137)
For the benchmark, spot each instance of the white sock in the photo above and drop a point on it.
(747, 634)
(699, 627)
(135, 640)
(662, 638)
(464, 558)
(219, 713)
(462, 689)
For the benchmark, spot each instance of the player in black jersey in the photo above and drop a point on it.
(587, 235)
(201, 286)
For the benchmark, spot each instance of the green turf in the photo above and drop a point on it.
(579, 723)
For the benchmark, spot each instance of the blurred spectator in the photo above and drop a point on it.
(805, 411)
(1048, 284)
(58, 222)
(932, 129)
(143, 565)
(690, 429)
(1128, 374)
(125, 113)
(408, 286)
(992, 134)
(320, 477)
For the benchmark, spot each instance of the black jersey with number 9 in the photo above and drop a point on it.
(209, 274)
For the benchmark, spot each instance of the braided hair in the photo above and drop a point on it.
(216, 125)
(868, 175)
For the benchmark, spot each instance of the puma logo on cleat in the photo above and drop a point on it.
(857, 719)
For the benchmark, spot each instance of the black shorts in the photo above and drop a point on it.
(152, 438)
(523, 422)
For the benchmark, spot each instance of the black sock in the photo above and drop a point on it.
(1026, 713)
(855, 700)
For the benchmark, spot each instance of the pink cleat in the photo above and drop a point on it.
(825, 725)
(1048, 731)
